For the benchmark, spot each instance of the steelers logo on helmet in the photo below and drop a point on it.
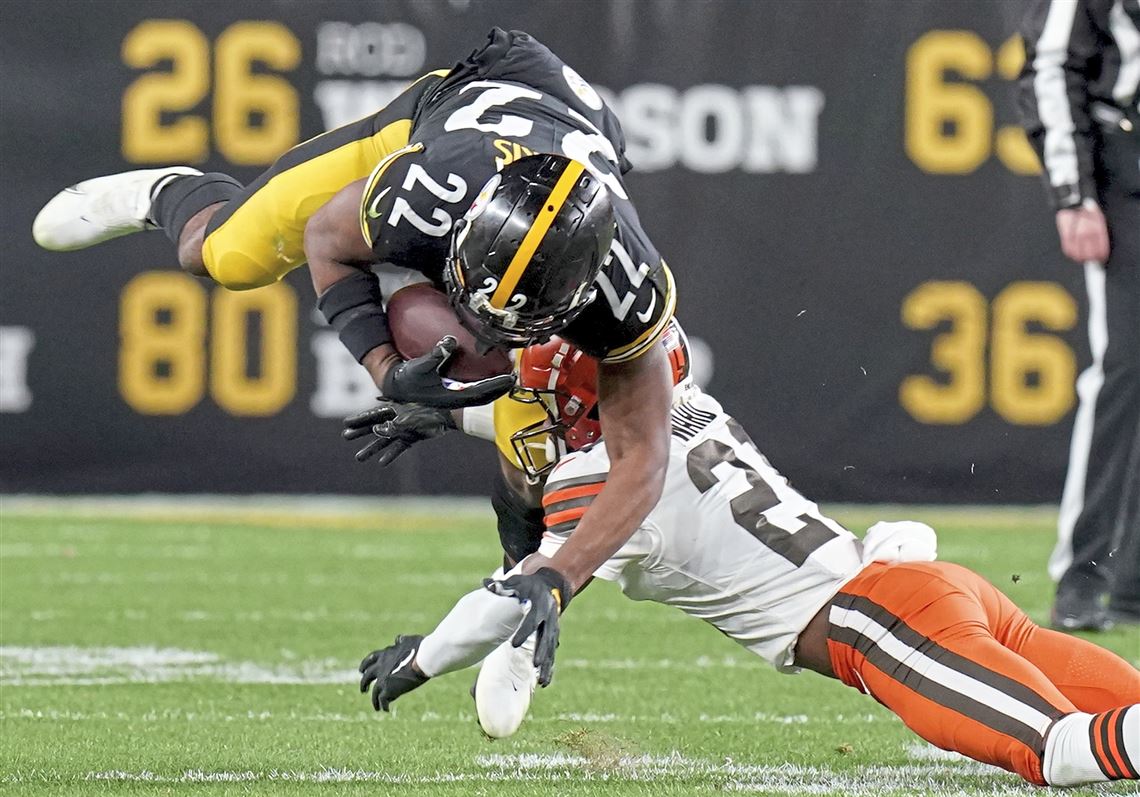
(523, 266)
(479, 204)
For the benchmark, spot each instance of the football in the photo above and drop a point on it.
(419, 315)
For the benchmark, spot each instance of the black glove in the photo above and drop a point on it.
(548, 593)
(395, 428)
(421, 381)
(392, 672)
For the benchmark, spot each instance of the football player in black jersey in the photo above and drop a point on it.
(570, 257)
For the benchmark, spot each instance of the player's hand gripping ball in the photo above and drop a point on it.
(424, 381)
(419, 316)
(443, 367)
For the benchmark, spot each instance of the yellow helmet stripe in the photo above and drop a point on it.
(535, 234)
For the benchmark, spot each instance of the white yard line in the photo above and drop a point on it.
(465, 717)
(922, 751)
(195, 505)
(934, 773)
(936, 779)
(63, 665)
(304, 507)
(78, 666)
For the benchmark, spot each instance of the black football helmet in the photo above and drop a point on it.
(524, 257)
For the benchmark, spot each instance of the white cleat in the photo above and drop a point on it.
(503, 690)
(100, 209)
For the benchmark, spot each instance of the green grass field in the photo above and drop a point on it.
(190, 647)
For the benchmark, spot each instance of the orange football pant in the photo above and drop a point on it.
(963, 667)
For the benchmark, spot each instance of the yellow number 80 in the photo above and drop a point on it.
(162, 353)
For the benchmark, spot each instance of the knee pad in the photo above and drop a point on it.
(236, 271)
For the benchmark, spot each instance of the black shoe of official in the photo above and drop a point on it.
(1124, 615)
(1079, 611)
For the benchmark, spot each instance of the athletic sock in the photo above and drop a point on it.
(478, 623)
(1093, 748)
(175, 199)
(162, 182)
(520, 525)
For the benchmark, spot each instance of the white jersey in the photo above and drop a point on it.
(729, 542)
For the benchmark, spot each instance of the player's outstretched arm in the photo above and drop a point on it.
(478, 623)
(348, 293)
(634, 400)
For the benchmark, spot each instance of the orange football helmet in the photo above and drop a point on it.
(564, 380)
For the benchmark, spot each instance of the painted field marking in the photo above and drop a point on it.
(348, 513)
(65, 665)
(407, 513)
(936, 773)
(81, 666)
(463, 717)
(935, 779)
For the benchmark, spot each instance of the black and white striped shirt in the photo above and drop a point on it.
(1082, 68)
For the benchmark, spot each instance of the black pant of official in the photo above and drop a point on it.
(1125, 598)
(1099, 532)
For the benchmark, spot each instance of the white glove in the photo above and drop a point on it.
(900, 541)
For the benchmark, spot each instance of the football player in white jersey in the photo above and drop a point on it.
(731, 542)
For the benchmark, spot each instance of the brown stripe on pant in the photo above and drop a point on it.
(953, 616)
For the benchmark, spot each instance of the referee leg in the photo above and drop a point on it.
(1124, 599)
(1121, 155)
(1084, 561)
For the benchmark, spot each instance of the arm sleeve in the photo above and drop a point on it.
(1062, 39)
(479, 421)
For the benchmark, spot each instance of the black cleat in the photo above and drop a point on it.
(1123, 615)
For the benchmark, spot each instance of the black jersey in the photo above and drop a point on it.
(511, 99)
